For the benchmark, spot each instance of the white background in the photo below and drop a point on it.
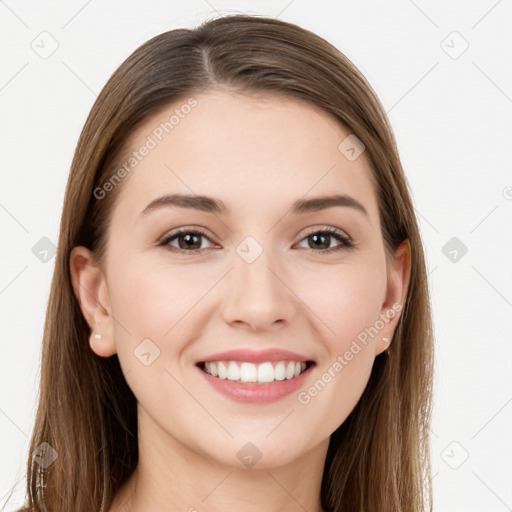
(453, 122)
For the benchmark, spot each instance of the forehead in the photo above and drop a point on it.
(255, 152)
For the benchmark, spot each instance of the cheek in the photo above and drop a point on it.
(165, 304)
(346, 299)
(349, 303)
(154, 314)
(150, 299)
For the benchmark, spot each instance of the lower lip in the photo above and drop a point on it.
(256, 393)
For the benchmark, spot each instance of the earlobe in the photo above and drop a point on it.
(90, 289)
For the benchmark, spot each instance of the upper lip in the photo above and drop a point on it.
(255, 356)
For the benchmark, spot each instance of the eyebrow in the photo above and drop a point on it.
(216, 206)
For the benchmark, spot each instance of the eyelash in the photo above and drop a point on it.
(347, 244)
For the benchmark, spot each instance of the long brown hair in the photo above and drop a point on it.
(378, 459)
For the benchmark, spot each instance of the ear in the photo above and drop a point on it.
(90, 288)
(399, 273)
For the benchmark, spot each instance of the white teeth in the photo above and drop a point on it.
(265, 372)
(290, 370)
(259, 373)
(279, 371)
(223, 371)
(233, 371)
(248, 372)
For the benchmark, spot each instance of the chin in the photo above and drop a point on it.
(258, 452)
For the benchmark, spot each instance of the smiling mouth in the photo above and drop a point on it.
(257, 374)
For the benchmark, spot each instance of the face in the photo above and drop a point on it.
(245, 270)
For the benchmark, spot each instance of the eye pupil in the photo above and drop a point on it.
(189, 241)
(316, 237)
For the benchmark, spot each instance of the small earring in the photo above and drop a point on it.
(385, 340)
(97, 336)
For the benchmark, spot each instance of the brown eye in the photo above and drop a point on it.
(190, 241)
(187, 240)
(320, 241)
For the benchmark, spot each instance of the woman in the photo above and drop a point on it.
(239, 315)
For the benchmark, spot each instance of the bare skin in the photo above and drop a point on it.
(257, 155)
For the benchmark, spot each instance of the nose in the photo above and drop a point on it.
(257, 295)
